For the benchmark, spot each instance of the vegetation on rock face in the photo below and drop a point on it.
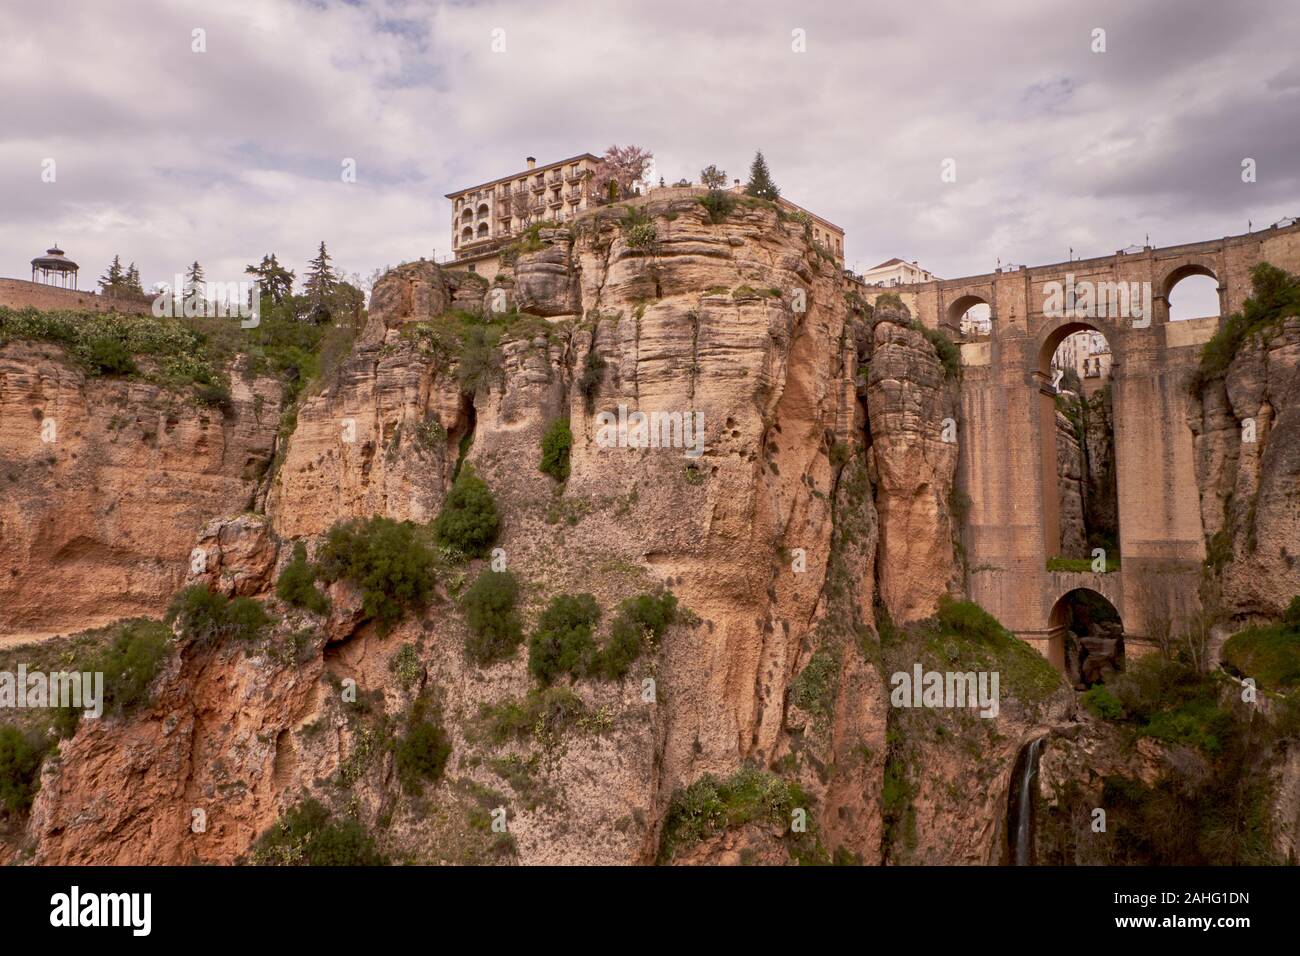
(556, 444)
(593, 369)
(297, 583)
(964, 633)
(639, 624)
(562, 642)
(1270, 653)
(21, 754)
(422, 752)
(205, 617)
(308, 835)
(494, 626)
(468, 521)
(1275, 296)
(544, 715)
(719, 204)
(388, 560)
(711, 806)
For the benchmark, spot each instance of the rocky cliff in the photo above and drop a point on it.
(818, 494)
(1246, 428)
(108, 481)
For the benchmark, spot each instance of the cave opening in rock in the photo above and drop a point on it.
(1080, 491)
(1093, 633)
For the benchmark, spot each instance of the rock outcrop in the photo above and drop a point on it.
(1246, 428)
(107, 482)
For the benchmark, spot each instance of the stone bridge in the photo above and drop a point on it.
(1007, 430)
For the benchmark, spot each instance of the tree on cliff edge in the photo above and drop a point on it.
(275, 281)
(319, 286)
(760, 180)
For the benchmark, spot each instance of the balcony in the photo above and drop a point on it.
(573, 176)
(574, 198)
(538, 188)
(556, 201)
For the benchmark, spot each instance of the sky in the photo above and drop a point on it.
(165, 154)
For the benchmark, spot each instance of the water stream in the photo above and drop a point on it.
(1020, 805)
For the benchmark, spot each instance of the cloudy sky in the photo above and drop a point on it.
(166, 155)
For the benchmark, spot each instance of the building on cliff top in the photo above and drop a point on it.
(54, 268)
(895, 272)
(485, 216)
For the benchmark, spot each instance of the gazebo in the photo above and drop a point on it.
(54, 268)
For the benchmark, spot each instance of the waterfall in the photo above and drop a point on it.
(1020, 805)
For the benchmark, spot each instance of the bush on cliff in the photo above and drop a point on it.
(1275, 296)
(20, 764)
(639, 624)
(422, 752)
(468, 521)
(494, 627)
(1270, 654)
(307, 835)
(563, 642)
(711, 806)
(556, 444)
(297, 583)
(205, 617)
(388, 560)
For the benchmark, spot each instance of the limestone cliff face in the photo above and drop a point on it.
(908, 401)
(106, 484)
(1070, 477)
(1248, 488)
(819, 491)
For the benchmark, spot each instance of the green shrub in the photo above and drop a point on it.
(206, 617)
(710, 806)
(814, 689)
(563, 643)
(544, 714)
(468, 521)
(297, 583)
(719, 204)
(131, 663)
(109, 356)
(555, 449)
(640, 621)
(1102, 703)
(20, 764)
(494, 627)
(308, 836)
(386, 559)
(405, 665)
(1081, 565)
(422, 752)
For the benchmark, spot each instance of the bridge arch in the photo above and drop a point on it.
(1049, 338)
(1090, 629)
(964, 303)
(1184, 269)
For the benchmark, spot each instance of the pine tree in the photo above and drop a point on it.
(133, 280)
(320, 286)
(114, 279)
(275, 280)
(194, 281)
(760, 180)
